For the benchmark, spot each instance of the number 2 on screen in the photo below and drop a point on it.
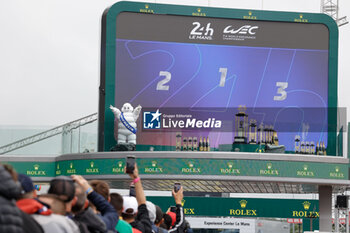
(161, 84)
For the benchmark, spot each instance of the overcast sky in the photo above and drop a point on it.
(50, 49)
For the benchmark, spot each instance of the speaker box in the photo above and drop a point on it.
(342, 202)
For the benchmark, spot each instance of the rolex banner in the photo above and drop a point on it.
(172, 166)
(244, 207)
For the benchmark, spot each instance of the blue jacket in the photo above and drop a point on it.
(108, 214)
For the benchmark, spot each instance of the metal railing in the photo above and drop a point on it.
(62, 129)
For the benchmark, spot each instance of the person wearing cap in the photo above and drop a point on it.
(129, 212)
(117, 202)
(57, 221)
(52, 216)
(152, 211)
(142, 221)
(64, 188)
(159, 220)
(26, 201)
(107, 213)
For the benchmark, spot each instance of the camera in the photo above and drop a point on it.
(130, 164)
(177, 187)
(132, 192)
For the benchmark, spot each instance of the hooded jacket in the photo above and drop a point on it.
(10, 216)
(91, 220)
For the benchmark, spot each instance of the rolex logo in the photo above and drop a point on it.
(230, 165)
(301, 16)
(36, 171)
(306, 205)
(154, 163)
(120, 164)
(336, 169)
(183, 202)
(191, 168)
(146, 6)
(305, 167)
(249, 13)
(92, 168)
(269, 165)
(199, 10)
(58, 166)
(243, 203)
(71, 165)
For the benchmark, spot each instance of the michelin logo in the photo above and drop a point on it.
(151, 120)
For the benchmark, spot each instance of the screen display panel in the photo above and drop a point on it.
(212, 68)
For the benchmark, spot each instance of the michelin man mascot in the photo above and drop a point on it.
(127, 118)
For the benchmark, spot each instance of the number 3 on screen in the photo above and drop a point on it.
(281, 90)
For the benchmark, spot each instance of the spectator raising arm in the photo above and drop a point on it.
(142, 221)
(180, 225)
(108, 214)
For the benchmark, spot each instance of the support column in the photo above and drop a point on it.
(325, 206)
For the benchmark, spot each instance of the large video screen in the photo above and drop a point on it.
(278, 71)
(237, 78)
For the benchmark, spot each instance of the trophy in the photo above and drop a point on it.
(317, 148)
(297, 144)
(178, 141)
(261, 139)
(189, 144)
(208, 144)
(195, 144)
(270, 130)
(274, 138)
(266, 134)
(307, 147)
(302, 147)
(241, 124)
(312, 147)
(324, 149)
(184, 144)
(252, 132)
(200, 144)
(205, 148)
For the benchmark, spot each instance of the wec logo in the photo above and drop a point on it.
(246, 29)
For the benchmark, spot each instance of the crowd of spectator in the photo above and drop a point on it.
(74, 205)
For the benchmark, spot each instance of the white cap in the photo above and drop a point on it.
(151, 211)
(130, 203)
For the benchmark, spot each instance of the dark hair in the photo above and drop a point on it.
(167, 221)
(126, 216)
(101, 187)
(11, 170)
(117, 202)
(159, 215)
